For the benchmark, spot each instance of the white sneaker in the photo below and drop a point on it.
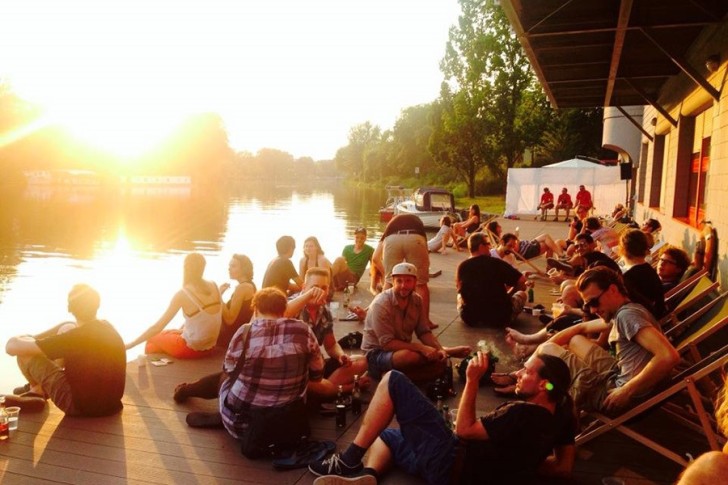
(337, 480)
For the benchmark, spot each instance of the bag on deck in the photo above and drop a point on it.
(271, 430)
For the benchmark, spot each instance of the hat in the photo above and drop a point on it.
(404, 269)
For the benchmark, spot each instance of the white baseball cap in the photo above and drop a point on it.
(404, 269)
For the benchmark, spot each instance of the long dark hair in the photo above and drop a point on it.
(557, 373)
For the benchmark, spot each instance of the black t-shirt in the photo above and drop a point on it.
(598, 256)
(279, 273)
(483, 282)
(404, 222)
(520, 437)
(644, 287)
(95, 363)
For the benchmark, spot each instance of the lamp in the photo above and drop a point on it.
(712, 63)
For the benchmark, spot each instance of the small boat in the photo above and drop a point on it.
(430, 204)
(395, 195)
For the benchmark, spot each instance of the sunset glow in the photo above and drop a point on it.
(284, 74)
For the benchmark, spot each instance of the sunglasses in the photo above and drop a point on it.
(594, 302)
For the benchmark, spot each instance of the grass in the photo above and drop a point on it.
(492, 204)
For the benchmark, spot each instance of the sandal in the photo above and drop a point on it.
(204, 420)
(309, 452)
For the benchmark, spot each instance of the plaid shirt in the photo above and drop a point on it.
(280, 357)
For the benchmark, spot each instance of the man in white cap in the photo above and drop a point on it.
(393, 317)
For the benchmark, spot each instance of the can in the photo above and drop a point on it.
(340, 415)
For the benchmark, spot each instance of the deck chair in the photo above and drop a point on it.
(701, 289)
(685, 380)
(696, 328)
(681, 289)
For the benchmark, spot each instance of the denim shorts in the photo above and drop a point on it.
(378, 362)
(423, 445)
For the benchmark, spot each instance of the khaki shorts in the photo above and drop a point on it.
(407, 247)
(591, 378)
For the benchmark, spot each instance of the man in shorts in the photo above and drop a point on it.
(644, 357)
(564, 202)
(91, 378)
(546, 203)
(393, 317)
(512, 444)
(311, 307)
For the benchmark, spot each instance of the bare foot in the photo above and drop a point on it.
(460, 352)
(514, 336)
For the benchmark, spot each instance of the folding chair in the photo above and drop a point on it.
(685, 380)
(702, 288)
(683, 287)
(696, 328)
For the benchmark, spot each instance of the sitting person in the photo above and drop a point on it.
(313, 257)
(514, 443)
(586, 256)
(619, 212)
(393, 317)
(443, 237)
(563, 203)
(543, 243)
(506, 248)
(584, 199)
(281, 357)
(644, 357)
(280, 272)
(238, 309)
(490, 291)
(651, 227)
(605, 236)
(351, 265)
(310, 307)
(672, 267)
(575, 227)
(469, 225)
(91, 379)
(640, 278)
(546, 202)
(201, 306)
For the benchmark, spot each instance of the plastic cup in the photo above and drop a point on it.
(13, 413)
(141, 360)
(557, 309)
(454, 416)
(536, 312)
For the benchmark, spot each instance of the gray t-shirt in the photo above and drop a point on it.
(386, 321)
(631, 356)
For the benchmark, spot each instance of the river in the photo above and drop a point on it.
(130, 246)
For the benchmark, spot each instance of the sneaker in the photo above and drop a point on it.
(334, 465)
(337, 480)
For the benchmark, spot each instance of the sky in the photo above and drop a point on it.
(295, 75)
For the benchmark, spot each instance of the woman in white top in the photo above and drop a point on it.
(201, 306)
(443, 237)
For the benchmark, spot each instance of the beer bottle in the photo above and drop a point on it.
(4, 421)
(356, 397)
(340, 409)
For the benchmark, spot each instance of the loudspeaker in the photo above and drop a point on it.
(625, 171)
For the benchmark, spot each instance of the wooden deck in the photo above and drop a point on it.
(149, 441)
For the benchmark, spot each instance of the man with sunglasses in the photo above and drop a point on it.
(644, 357)
(490, 291)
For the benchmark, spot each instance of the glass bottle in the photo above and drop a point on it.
(340, 409)
(446, 416)
(356, 397)
(4, 421)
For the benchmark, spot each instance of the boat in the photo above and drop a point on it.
(396, 194)
(430, 204)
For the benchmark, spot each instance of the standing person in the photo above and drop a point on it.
(280, 272)
(547, 202)
(91, 380)
(563, 202)
(444, 236)
(644, 357)
(238, 309)
(201, 306)
(584, 198)
(351, 265)
(281, 357)
(514, 443)
(483, 284)
(405, 239)
(393, 317)
(310, 306)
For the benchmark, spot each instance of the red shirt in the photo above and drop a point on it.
(583, 197)
(564, 199)
(547, 198)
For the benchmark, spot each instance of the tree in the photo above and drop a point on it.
(362, 137)
(493, 113)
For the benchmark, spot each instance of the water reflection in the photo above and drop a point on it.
(130, 246)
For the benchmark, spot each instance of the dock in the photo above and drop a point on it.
(149, 441)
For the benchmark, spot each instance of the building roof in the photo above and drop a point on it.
(612, 53)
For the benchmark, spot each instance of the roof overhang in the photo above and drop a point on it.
(589, 53)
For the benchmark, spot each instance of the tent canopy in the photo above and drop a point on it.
(525, 185)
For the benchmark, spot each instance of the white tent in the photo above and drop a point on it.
(525, 185)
